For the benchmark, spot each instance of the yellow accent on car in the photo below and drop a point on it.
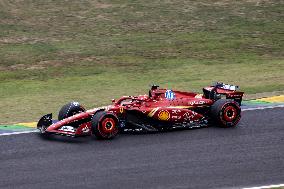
(152, 112)
(180, 107)
(198, 96)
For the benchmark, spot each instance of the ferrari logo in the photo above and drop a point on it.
(164, 115)
(121, 110)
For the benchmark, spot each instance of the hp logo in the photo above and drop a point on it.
(170, 95)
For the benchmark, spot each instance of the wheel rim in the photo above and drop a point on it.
(108, 125)
(230, 113)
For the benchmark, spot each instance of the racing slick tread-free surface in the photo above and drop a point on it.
(69, 110)
(217, 109)
(97, 125)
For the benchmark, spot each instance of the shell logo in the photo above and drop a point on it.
(164, 115)
(198, 96)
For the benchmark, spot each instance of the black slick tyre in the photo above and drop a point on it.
(70, 109)
(105, 125)
(226, 113)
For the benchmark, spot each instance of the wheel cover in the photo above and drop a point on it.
(230, 113)
(108, 125)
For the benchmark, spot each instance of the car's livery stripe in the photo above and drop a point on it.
(181, 107)
(153, 111)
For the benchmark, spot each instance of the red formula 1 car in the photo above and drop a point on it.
(160, 110)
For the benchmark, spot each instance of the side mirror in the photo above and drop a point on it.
(113, 100)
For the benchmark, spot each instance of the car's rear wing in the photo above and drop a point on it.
(220, 90)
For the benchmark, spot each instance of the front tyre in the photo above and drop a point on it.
(105, 125)
(226, 113)
(70, 109)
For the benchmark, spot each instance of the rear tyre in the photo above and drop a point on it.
(70, 109)
(105, 125)
(226, 113)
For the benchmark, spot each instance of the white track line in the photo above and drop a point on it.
(264, 107)
(17, 133)
(248, 109)
(268, 186)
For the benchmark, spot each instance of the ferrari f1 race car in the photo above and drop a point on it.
(160, 110)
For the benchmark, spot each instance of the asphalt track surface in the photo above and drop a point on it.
(251, 154)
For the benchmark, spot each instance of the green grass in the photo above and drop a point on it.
(52, 52)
